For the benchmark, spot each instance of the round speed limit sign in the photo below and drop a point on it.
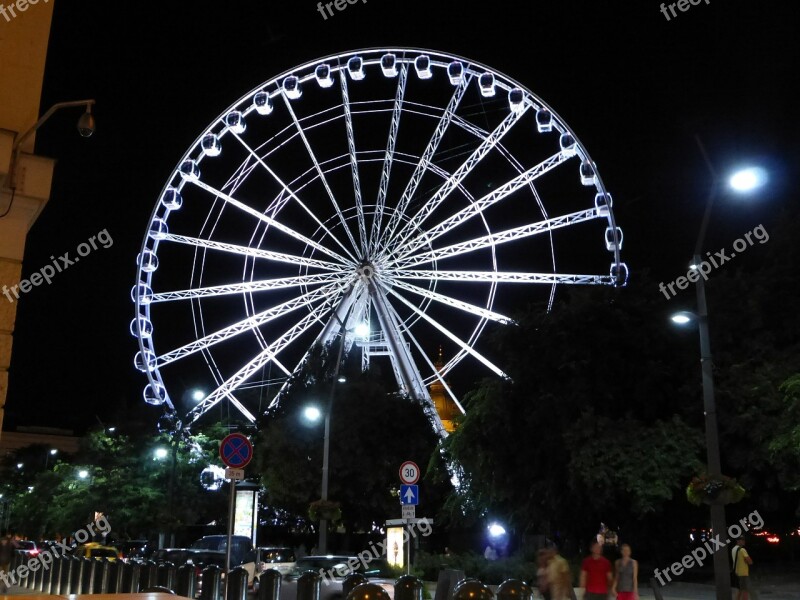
(409, 472)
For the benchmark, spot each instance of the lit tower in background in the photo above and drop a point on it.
(445, 406)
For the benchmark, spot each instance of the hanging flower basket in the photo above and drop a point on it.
(714, 490)
(325, 510)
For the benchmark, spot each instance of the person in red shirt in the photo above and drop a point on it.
(596, 574)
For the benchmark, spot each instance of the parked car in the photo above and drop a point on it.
(334, 569)
(28, 547)
(135, 549)
(280, 558)
(95, 550)
(176, 556)
(242, 552)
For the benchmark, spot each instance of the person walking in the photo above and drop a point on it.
(596, 574)
(7, 548)
(626, 576)
(741, 568)
(559, 576)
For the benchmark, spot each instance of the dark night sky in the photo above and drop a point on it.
(634, 87)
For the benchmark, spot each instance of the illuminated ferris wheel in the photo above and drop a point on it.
(379, 199)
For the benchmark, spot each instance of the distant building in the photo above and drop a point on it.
(447, 409)
(63, 440)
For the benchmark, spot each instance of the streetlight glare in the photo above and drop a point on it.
(681, 318)
(362, 330)
(53, 452)
(312, 413)
(161, 453)
(496, 530)
(747, 180)
(198, 395)
(83, 473)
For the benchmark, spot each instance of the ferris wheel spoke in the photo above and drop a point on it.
(321, 176)
(291, 259)
(247, 287)
(271, 222)
(268, 354)
(478, 311)
(483, 203)
(466, 167)
(296, 198)
(425, 160)
(351, 144)
(387, 162)
(250, 323)
(499, 237)
(503, 277)
(458, 341)
(407, 332)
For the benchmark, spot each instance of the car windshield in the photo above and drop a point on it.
(277, 555)
(210, 544)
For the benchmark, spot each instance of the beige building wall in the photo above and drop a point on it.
(24, 34)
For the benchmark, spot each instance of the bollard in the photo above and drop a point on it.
(236, 584)
(165, 575)
(65, 580)
(351, 581)
(269, 585)
(88, 575)
(109, 581)
(148, 574)
(77, 575)
(514, 589)
(100, 573)
(472, 589)
(55, 585)
(47, 578)
(115, 577)
(132, 584)
(308, 586)
(36, 577)
(187, 581)
(409, 587)
(368, 591)
(209, 583)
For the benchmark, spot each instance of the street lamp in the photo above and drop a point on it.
(361, 331)
(198, 395)
(312, 413)
(160, 453)
(741, 181)
(83, 474)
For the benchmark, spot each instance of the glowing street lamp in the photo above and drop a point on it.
(198, 395)
(496, 530)
(160, 453)
(83, 474)
(682, 318)
(312, 413)
(747, 179)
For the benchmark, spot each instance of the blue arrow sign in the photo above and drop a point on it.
(409, 495)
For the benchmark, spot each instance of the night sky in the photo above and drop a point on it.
(635, 88)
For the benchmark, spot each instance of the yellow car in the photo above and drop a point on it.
(96, 550)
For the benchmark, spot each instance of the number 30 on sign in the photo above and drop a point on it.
(409, 472)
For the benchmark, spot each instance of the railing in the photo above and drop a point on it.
(73, 575)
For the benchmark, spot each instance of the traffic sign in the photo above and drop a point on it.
(409, 495)
(234, 474)
(409, 472)
(409, 511)
(235, 450)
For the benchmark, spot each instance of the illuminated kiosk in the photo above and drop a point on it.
(410, 190)
(245, 520)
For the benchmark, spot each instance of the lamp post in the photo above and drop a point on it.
(742, 181)
(312, 413)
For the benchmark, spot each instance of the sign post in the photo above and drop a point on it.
(409, 498)
(236, 452)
